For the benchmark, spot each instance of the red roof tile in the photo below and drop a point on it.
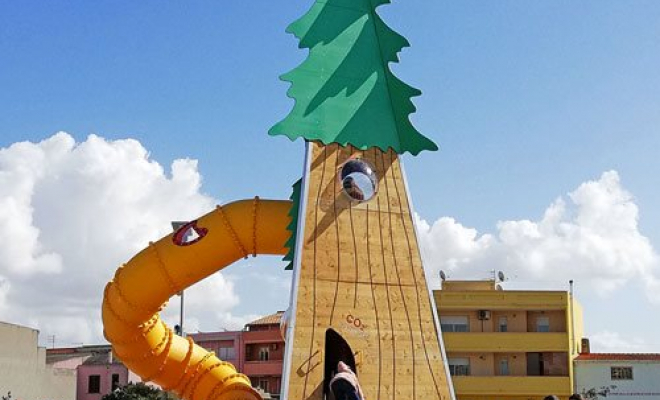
(273, 319)
(61, 350)
(619, 357)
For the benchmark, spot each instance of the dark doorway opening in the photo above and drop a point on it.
(535, 365)
(336, 349)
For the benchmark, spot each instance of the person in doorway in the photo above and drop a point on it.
(344, 385)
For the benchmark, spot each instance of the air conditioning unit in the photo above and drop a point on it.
(483, 315)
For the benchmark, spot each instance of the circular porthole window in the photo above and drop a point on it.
(358, 180)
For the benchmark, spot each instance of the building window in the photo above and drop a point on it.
(263, 384)
(543, 324)
(504, 366)
(226, 353)
(503, 324)
(115, 382)
(621, 373)
(454, 323)
(263, 354)
(459, 366)
(94, 384)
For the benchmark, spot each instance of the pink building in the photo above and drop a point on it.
(99, 375)
(257, 351)
(227, 345)
(264, 353)
(97, 372)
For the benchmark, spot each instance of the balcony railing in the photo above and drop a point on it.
(258, 368)
(512, 385)
(505, 342)
(500, 300)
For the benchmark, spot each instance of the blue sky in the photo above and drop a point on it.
(527, 101)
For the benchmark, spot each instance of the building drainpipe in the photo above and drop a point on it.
(573, 346)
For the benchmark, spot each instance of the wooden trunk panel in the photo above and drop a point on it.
(362, 276)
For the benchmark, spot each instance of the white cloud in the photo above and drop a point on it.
(70, 213)
(613, 342)
(4, 289)
(208, 306)
(592, 237)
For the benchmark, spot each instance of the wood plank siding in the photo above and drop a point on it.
(361, 274)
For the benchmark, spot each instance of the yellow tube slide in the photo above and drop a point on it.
(140, 288)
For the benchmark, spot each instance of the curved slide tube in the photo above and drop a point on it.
(140, 288)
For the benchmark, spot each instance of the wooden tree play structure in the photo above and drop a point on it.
(359, 290)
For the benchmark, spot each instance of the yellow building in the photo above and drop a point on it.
(506, 344)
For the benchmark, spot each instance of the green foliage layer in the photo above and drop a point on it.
(293, 225)
(345, 91)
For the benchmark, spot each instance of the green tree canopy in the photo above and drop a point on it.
(345, 91)
(137, 391)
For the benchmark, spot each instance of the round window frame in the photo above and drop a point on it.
(373, 178)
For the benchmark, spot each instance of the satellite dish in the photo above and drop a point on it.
(500, 276)
(498, 287)
(443, 277)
